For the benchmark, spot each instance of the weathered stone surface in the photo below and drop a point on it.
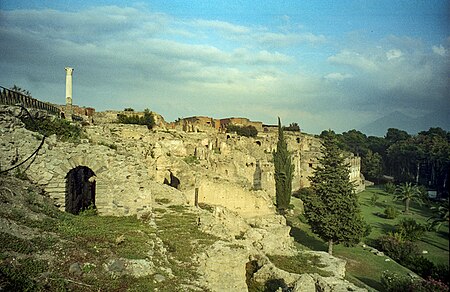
(335, 284)
(223, 267)
(305, 283)
(332, 264)
(234, 176)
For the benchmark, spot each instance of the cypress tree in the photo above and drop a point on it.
(283, 172)
(333, 210)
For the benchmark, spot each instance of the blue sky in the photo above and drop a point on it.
(322, 64)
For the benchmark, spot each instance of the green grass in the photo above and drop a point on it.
(363, 267)
(300, 264)
(436, 243)
(92, 241)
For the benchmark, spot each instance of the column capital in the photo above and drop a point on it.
(69, 70)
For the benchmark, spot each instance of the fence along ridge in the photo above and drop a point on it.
(12, 97)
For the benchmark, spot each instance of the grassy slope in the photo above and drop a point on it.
(38, 259)
(363, 267)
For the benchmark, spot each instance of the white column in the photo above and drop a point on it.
(69, 72)
(69, 112)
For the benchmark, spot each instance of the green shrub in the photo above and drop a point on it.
(191, 160)
(64, 130)
(293, 127)
(398, 249)
(391, 212)
(303, 193)
(246, 131)
(147, 119)
(393, 282)
(441, 273)
(374, 199)
(390, 188)
(420, 265)
(429, 285)
(410, 229)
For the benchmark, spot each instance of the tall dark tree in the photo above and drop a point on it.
(284, 170)
(372, 166)
(333, 210)
(355, 142)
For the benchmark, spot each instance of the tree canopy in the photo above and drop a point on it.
(422, 159)
(333, 210)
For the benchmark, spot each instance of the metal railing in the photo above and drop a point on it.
(11, 97)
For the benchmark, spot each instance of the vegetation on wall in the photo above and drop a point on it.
(284, 170)
(147, 119)
(246, 131)
(293, 127)
(333, 210)
(47, 126)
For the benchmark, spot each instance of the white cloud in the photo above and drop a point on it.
(177, 67)
(287, 39)
(337, 76)
(353, 59)
(441, 51)
(222, 25)
(393, 54)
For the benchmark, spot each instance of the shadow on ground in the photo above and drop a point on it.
(371, 283)
(306, 239)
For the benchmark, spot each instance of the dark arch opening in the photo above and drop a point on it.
(258, 143)
(174, 181)
(80, 189)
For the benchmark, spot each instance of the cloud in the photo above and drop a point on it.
(287, 39)
(393, 54)
(337, 76)
(441, 51)
(129, 57)
(353, 59)
(222, 26)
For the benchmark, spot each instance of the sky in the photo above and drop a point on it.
(322, 64)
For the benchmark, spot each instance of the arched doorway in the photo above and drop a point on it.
(80, 189)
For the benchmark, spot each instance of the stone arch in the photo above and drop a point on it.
(80, 189)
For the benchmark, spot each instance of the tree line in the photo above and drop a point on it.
(422, 159)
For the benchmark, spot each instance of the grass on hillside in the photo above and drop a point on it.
(363, 267)
(45, 242)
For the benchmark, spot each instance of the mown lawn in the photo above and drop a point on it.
(363, 267)
(435, 243)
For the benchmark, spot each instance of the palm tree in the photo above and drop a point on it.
(408, 192)
(440, 216)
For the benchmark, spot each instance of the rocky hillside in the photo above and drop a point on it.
(174, 248)
(145, 235)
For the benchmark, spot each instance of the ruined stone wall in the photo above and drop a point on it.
(129, 160)
(122, 186)
(79, 111)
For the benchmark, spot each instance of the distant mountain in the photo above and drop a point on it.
(411, 125)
